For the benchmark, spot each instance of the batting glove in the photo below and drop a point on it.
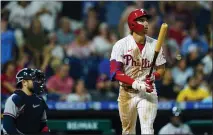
(143, 86)
(149, 86)
(138, 85)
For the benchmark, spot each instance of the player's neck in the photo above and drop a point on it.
(139, 39)
(27, 92)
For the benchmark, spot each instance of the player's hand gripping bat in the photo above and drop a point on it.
(161, 38)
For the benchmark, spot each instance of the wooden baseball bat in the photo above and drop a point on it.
(161, 38)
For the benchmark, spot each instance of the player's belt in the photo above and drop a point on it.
(129, 89)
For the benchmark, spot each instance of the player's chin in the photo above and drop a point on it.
(145, 31)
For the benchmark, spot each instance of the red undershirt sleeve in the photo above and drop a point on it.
(117, 74)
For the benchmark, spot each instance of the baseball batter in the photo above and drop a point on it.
(130, 64)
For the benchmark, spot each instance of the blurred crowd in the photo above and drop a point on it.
(75, 54)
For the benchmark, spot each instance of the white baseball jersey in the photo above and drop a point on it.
(136, 64)
(170, 129)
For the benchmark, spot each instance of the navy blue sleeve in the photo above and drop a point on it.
(10, 113)
(9, 126)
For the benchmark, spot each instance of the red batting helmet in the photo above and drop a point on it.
(133, 25)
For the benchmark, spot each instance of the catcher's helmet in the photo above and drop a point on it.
(133, 25)
(176, 111)
(37, 76)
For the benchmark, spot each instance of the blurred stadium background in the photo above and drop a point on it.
(72, 41)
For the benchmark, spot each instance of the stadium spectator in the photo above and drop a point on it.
(7, 41)
(171, 51)
(64, 34)
(8, 78)
(202, 11)
(22, 12)
(112, 12)
(175, 126)
(101, 8)
(193, 92)
(35, 41)
(80, 93)
(123, 26)
(207, 61)
(208, 35)
(182, 11)
(104, 73)
(104, 89)
(193, 58)
(80, 48)
(101, 43)
(91, 23)
(50, 65)
(47, 12)
(22, 61)
(52, 53)
(200, 77)
(194, 41)
(209, 98)
(53, 48)
(113, 37)
(19, 14)
(181, 72)
(152, 32)
(166, 87)
(176, 31)
(104, 65)
(155, 16)
(86, 6)
(60, 83)
(20, 40)
(166, 10)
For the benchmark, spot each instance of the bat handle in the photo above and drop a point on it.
(153, 63)
(150, 72)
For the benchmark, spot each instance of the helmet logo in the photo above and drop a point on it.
(142, 10)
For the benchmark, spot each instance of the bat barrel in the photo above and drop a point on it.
(161, 36)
